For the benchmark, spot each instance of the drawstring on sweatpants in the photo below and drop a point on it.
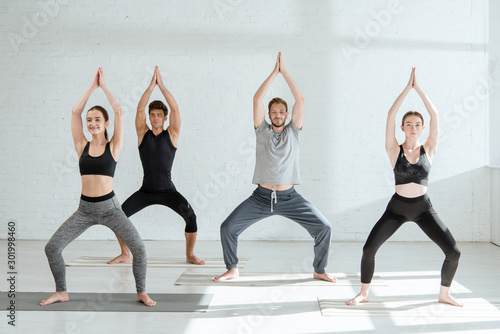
(273, 196)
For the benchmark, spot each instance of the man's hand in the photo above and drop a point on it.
(159, 80)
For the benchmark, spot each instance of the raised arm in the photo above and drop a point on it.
(259, 113)
(298, 107)
(141, 127)
(174, 124)
(431, 143)
(391, 144)
(116, 142)
(76, 117)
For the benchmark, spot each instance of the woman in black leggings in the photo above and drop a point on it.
(411, 162)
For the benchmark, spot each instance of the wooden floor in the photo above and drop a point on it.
(410, 269)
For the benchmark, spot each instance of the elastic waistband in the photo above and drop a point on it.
(98, 199)
(278, 192)
(157, 191)
(410, 199)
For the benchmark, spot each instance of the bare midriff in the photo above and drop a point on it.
(277, 187)
(96, 185)
(411, 190)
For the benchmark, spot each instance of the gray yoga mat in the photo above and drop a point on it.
(153, 262)
(271, 279)
(111, 302)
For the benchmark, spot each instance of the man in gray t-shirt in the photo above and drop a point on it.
(276, 173)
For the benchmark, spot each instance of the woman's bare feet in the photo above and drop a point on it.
(450, 300)
(324, 277)
(360, 298)
(194, 260)
(230, 274)
(143, 297)
(446, 298)
(120, 258)
(57, 297)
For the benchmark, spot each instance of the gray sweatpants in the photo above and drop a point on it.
(288, 203)
(107, 213)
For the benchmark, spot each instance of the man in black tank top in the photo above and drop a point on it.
(157, 149)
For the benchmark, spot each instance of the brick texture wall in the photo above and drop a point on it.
(350, 58)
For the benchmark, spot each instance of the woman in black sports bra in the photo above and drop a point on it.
(98, 203)
(411, 162)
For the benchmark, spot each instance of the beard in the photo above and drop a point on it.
(278, 125)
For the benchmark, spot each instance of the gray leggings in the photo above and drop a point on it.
(288, 203)
(108, 213)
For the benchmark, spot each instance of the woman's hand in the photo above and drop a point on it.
(415, 84)
(95, 82)
(412, 79)
(102, 82)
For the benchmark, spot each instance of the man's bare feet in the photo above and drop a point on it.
(143, 297)
(120, 258)
(360, 298)
(230, 274)
(57, 297)
(194, 260)
(449, 300)
(324, 277)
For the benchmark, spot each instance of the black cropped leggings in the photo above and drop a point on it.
(172, 199)
(400, 210)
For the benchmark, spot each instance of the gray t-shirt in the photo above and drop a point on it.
(277, 155)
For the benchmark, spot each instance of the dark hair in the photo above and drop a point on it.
(106, 117)
(158, 105)
(277, 100)
(412, 113)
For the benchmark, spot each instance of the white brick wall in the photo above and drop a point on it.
(494, 119)
(350, 58)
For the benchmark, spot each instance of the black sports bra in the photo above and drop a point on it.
(406, 172)
(101, 165)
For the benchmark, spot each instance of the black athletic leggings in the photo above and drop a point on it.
(400, 210)
(172, 199)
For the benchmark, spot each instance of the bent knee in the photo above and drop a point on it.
(229, 230)
(51, 249)
(369, 251)
(454, 254)
(327, 226)
(192, 216)
(225, 227)
(191, 226)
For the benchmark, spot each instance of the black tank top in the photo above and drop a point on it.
(157, 156)
(406, 172)
(101, 165)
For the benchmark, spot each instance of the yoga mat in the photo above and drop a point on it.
(473, 307)
(270, 279)
(112, 302)
(154, 262)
